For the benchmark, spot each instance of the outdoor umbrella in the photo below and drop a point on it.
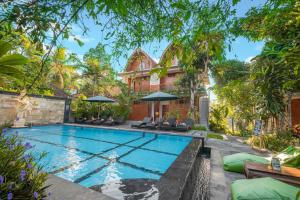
(158, 96)
(100, 99)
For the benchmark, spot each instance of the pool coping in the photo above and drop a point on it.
(173, 181)
(63, 189)
(131, 129)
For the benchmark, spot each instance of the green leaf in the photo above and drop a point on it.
(188, 15)
(11, 71)
(234, 2)
(4, 47)
(79, 42)
(15, 59)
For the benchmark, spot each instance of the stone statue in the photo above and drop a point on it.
(23, 107)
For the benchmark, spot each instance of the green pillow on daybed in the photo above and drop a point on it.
(236, 162)
(288, 157)
(263, 188)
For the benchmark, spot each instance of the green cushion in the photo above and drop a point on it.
(290, 157)
(263, 188)
(236, 162)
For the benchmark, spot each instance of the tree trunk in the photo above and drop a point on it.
(289, 111)
(192, 100)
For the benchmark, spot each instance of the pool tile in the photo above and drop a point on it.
(114, 173)
(168, 143)
(56, 157)
(149, 160)
(81, 169)
(112, 154)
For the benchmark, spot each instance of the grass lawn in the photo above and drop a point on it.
(215, 136)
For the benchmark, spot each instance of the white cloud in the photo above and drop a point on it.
(248, 60)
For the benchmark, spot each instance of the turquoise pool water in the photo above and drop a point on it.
(95, 156)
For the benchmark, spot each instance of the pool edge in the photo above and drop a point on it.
(63, 189)
(174, 180)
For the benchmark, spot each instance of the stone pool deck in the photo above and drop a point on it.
(221, 180)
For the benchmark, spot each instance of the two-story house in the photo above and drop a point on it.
(139, 79)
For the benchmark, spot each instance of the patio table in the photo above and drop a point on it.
(287, 174)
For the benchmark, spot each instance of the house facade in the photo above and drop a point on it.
(141, 82)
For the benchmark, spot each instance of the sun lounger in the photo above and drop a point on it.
(119, 121)
(80, 120)
(185, 126)
(99, 121)
(89, 121)
(263, 188)
(142, 124)
(153, 125)
(168, 125)
(112, 122)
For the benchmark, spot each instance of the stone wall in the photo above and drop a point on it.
(44, 110)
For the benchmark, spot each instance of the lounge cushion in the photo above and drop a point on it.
(263, 188)
(236, 162)
(290, 157)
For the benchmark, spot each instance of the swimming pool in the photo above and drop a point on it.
(95, 156)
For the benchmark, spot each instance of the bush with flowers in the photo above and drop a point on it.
(20, 175)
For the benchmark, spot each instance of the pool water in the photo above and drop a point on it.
(95, 156)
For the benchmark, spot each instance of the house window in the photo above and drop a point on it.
(142, 66)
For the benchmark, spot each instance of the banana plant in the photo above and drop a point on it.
(10, 64)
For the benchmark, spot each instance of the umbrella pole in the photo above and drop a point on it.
(159, 110)
(152, 110)
(99, 107)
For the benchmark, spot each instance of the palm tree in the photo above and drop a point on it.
(99, 78)
(10, 64)
(61, 71)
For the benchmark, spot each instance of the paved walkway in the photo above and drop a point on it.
(221, 180)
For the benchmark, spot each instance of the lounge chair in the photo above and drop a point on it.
(119, 121)
(185, 126)
(168, 125)
(80, 120)
(89, 121)
(154, 125)
(288, 157)
(112, 122)
(99, 121)
(143, 123)
(263, 188)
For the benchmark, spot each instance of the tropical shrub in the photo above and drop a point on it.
(20, 175)
(174, 113)
(120, 111)
(275, 142)
(217, 120)
(199, 128)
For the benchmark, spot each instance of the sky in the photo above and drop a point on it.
(241, 49)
